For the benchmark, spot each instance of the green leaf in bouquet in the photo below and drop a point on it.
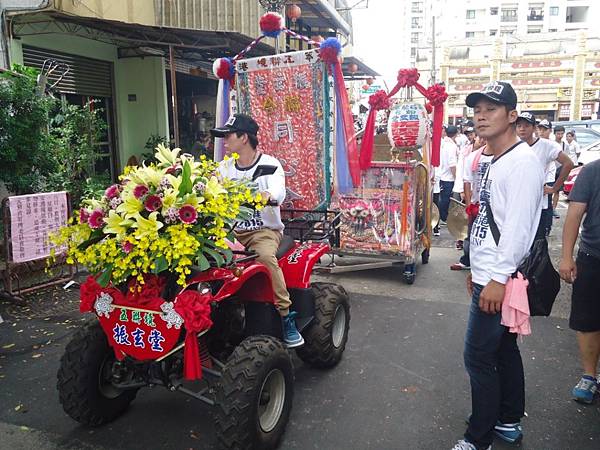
(160, 265)
(227, 254)
(186, 179)
(215, 255)
(202, 262)
(104, 277)
(245, 213)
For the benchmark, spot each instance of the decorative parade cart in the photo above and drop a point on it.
(382, 209)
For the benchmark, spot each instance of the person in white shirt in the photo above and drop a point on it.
(263, 232)
(573, 148)
(548, 153)
(512, 190)
(559, 134)
(448, 161)
(463, 151)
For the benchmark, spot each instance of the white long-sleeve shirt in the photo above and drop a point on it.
(513, 186)
(269, 216)
(547, 151)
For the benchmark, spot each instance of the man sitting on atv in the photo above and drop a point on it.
(264, 231)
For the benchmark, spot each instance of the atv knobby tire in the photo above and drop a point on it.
(254, 395)
(85, 394)
(324, 340)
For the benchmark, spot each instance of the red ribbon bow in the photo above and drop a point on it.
(408, 77)
(379, 100)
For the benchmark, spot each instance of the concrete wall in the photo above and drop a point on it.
(142, 77)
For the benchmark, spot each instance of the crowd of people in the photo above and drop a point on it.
(508, 169)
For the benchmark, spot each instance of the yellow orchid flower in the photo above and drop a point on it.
(149, 176)
(130, 207)
(146, 227)
(214, 188)
(175, 181)
(165, 155)
(193, 200)
(116, 224)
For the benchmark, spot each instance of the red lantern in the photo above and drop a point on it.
(352, 67)
(370, 81)
(293, 12)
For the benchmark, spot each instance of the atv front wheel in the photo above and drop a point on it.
(325, 339)
(254, 395)
(84, 387)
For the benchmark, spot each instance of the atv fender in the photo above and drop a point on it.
(297, 264)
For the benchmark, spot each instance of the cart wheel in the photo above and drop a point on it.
(425, 256)
(409, 273)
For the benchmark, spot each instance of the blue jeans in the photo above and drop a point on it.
(495, 368)
(445, 194)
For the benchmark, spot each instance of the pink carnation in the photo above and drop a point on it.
(139, 191)
(96, 219)
(127, 246)
(153, 202)
(112, 191)
(188, 214)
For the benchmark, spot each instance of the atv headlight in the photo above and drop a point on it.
(204, 288)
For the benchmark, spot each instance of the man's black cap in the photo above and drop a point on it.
(497, 92)
(559, 128)
(238, 122)
(451, 130)
(527, 116)
(545, 124)
(469, 130)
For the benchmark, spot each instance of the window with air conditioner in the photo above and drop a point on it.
(554, 10)
(470, 13)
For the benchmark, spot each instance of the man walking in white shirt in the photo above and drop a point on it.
(548, 153)
(448, 161)
(512, 191)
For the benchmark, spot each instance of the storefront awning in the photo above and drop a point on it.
(134, 40)
(364, 71)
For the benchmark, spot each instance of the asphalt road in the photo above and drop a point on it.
(400, 385)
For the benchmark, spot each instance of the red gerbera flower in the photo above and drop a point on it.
(153, 202)
(84, 215)
(96, 219)
(139, 191)
(112, 191)
(188, 214)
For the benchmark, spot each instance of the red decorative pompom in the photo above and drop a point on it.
(88, 293)
(330, 49)
(436, 94)
(271, 24)
(408, 77)
(223, 68)
(379, 100)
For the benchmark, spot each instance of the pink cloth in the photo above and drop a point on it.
(515, 307)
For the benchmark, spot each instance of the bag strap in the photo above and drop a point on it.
(488, 206)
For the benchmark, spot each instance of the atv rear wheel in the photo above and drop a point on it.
(84, 387)
(325, 338)
(254, 395)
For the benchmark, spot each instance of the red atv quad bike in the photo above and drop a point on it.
(247, 372)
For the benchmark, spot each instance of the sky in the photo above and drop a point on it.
(376, 36)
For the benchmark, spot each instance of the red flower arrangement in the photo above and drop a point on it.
(408, 77)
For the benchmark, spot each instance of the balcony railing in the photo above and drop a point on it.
(535, 17)
(508, 19)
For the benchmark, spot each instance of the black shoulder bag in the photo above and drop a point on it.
(537, 268)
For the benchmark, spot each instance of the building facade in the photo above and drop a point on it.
(120, 55)
(556, 76)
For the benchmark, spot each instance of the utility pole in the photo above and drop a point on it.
(432, 77)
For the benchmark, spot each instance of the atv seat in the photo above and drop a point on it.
(286, 243)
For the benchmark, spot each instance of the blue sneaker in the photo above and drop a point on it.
(585, 390)
(291, 337)
(509, 432)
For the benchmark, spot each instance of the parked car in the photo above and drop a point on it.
(592, 124)
(571, 180)
(589, 153)
(585, 136)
